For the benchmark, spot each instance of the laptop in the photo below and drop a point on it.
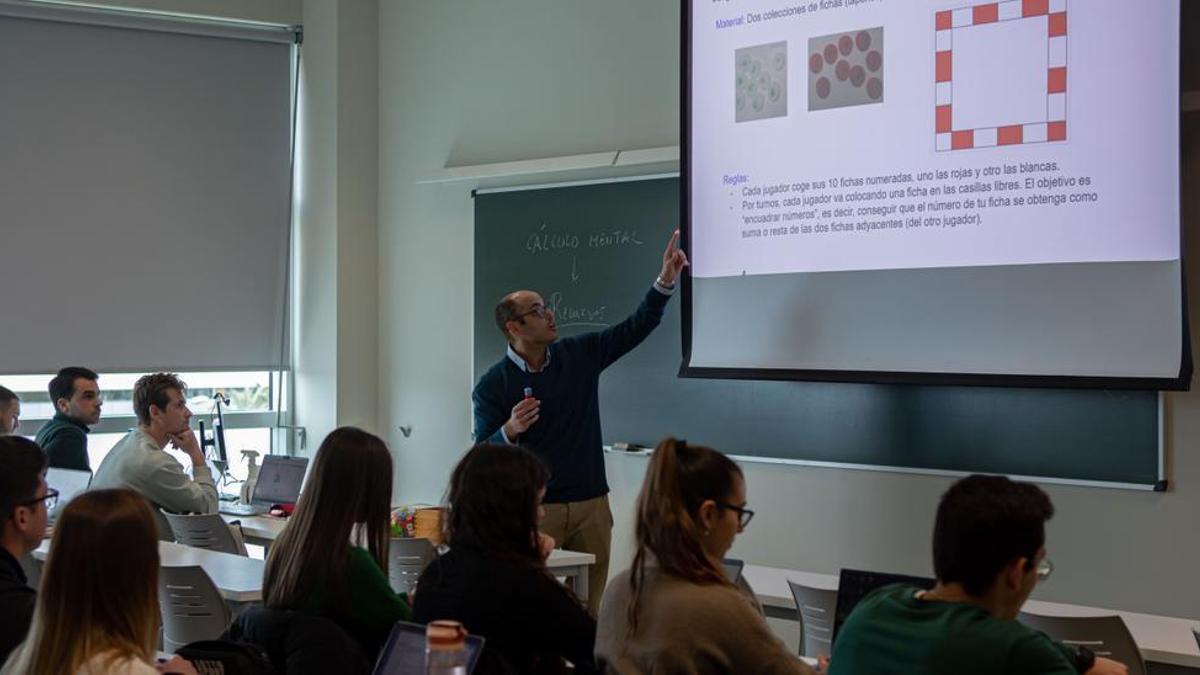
(69, 483)
(855, 585)
(404, 653)
(279, 481)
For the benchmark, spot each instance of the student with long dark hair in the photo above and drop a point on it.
(675, 611)
(315, 567)
(97, 611)
(494, 578)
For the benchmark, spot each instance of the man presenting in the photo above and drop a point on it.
(138, 462)
(75, 394)
(544, 395)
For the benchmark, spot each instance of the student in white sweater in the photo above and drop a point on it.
(138, 462)
(97, 611)
(675, 611)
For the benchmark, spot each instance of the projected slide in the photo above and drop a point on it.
(843, 135)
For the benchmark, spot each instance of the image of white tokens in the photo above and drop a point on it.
(760, 81)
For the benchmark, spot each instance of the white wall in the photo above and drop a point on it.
(473, 82)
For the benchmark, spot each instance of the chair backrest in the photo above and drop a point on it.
(191, 606)
(407, 558)
(208, 531)
(815, 608)
(1107, 636)
(299, 643)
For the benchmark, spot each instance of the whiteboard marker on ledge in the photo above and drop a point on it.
(629, 447)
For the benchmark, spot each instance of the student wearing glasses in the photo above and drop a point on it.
(97, 612)
(25, 502)
(988, 554)
(543, 396)
(675, 611)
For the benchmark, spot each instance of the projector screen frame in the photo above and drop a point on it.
(1181, 382)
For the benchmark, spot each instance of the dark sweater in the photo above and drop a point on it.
(65, 443)
(567, 433)
(16, 604)
(527, 618)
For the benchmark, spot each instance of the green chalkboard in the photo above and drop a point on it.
(593, 250)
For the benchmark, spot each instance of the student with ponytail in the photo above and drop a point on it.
(674, 610)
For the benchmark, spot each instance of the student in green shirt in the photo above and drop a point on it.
(75, 393)
(331, 559)
(988, 553)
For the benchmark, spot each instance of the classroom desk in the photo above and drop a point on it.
(238, 579)
(1161, 639)
(570, 565)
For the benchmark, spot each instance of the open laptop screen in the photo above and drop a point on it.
(69, 484)
(404, 653)
(279, 480)
(855, 585)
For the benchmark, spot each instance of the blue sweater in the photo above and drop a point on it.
(567, 433)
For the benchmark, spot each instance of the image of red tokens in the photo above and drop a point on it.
(845, 69)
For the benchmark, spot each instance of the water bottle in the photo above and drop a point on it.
(247, 492)
(445, 648)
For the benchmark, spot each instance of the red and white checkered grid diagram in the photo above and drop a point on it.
(1039, 120)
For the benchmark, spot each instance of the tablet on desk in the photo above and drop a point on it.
(404, 653)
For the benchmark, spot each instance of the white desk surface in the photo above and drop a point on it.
(238, 579)
(1161, 639)
(267, 528)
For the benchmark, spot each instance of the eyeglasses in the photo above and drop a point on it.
(1045, 568)
(540, 311)
(51, 499)
(745, 515)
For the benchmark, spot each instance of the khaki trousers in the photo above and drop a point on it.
(584, 526)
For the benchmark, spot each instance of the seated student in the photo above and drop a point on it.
(24, 506)
(313, 567)
(988, 553)
(675, 611)
(494, 578)
(10, 411)
(97, 612)
(75, 394)
(139, 463)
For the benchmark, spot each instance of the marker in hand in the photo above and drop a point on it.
(528, 392)
(524, 414)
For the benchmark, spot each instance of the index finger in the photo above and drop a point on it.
(674, 243)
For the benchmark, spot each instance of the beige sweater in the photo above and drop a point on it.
(688, 629)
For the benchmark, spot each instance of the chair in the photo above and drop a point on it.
(407, 558)
(1107, 636)
(299, 643)
(192, 608)
(815, 608)
(208, 531)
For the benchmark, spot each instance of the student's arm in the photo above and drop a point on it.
(1039, 655)
(561, 624)
(67, 449)
(373, 602)
(166, 483)
(747, 641)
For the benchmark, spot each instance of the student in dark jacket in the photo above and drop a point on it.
(494, 578)
(24, 498)
(331, 560)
